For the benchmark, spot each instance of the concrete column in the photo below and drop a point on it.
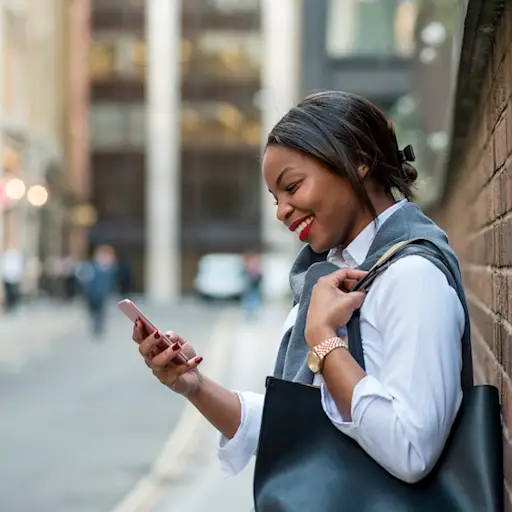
(280, 77)
(163, 29)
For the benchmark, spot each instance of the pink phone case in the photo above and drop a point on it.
(134, 313)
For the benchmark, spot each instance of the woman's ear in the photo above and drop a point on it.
(362, 171)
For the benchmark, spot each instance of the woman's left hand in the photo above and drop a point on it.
(332, 304)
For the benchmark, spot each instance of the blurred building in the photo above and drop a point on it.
(217, 192)
(220, 129)
(117, 127)
(34, 194)
(358, 46)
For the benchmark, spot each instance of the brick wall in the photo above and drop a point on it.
(477, 214)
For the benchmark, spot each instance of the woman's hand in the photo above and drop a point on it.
(332, 304)
(181, 378)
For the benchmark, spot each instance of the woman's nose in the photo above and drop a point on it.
(284, 210)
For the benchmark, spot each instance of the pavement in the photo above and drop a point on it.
(87, 428)
(199, 481)
(27, 332)
(83, 420)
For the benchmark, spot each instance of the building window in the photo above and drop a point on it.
(116, 125)
(370, 27)
(14, 77)
(219, 187)
(118, 185)
(223, 53)
(209, 123)
(115, 54)
(103, 59)
(235, 6)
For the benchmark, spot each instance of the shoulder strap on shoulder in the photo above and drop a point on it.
(354, 334)
(387, 258)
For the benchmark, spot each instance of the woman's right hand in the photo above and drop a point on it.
(184, 379)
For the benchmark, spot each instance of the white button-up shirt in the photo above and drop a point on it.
(412, 323)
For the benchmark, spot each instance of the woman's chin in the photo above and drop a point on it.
(319, 248)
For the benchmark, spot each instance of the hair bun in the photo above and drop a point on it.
(410, 172)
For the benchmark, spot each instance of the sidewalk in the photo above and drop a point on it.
(32, 326)
(253, 349)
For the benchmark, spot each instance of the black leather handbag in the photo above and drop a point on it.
(304, 464)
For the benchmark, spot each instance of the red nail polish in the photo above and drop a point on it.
(176, 346)
(197, 360)
(157, 335)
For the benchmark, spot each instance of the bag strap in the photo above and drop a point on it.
(354, 331)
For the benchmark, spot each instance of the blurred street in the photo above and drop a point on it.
(83, 420)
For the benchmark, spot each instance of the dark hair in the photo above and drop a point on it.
(344, 131)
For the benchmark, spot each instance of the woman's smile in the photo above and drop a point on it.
(302, 227)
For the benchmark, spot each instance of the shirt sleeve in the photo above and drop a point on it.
(402, 417)
(234, 454)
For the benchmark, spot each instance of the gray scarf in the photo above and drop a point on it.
(407, 222)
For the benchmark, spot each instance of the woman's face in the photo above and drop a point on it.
(319, 206)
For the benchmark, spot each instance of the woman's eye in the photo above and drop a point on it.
(291, 188)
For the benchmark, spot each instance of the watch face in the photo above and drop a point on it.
(313, 362)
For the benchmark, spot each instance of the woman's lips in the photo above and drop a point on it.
(303, 235)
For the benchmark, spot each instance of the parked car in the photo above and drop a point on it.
(221, 276)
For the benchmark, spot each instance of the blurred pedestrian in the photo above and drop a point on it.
(13, 276)
(98, 280)
(251, 299)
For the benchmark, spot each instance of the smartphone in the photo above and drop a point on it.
(134, 313)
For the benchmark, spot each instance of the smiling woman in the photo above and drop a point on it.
(392, 381)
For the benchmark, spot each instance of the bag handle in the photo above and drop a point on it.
(356, 349)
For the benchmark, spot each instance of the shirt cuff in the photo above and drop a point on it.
(364, 389)
(234, 454)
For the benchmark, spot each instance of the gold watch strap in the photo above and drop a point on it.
(329, 345)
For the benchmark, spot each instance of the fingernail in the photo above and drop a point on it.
(176, 346)
(197, 360)
(157, 335)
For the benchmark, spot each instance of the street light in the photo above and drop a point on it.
(15, 189)
(37, 195)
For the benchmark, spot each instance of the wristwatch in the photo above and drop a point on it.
(316, 355)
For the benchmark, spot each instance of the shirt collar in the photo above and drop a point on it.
(355, 253)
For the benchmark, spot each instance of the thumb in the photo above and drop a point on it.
(175, 337)
(356, 299)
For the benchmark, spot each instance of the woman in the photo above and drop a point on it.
(334, 168)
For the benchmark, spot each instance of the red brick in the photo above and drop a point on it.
(500, 91)
(509, 126)
(500, 294)
(506, 254)
(488, 161)
(482, 320)
(508, 315)
(506, 347)
(500, 44)
(500, 142)
(506, 354)
(502, 194)
(508, 188)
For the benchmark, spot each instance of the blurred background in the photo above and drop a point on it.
(130, 142)
(98, 148)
